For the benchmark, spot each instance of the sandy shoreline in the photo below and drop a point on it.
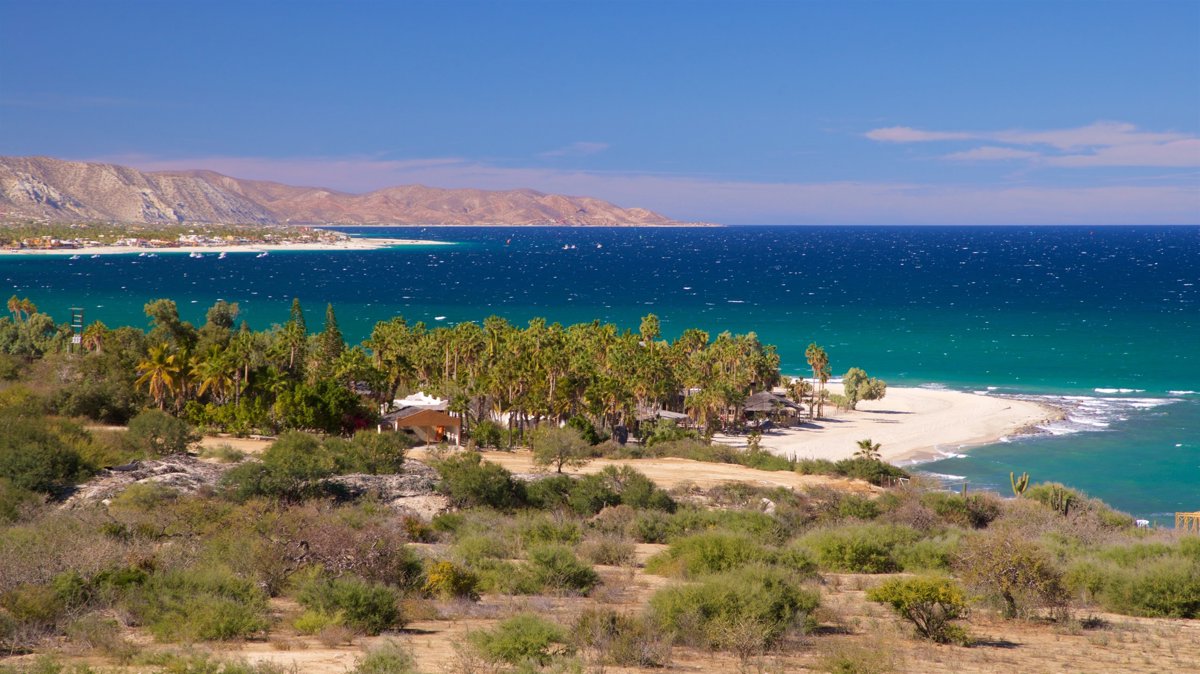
(912, 425)
(350, 245)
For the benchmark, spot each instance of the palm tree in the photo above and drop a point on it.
(158, 374)
(215, 373)
(868, 450)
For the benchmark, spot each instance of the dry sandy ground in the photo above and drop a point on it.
(849, 625)
(669, 473)
(910, 423)
(352, 244)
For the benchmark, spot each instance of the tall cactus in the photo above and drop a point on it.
(1018, 483)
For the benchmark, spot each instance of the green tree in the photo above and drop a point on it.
(558, 447)
(858, 386)
(818, 360)
(158, 373)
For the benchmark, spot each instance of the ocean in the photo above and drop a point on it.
(1102, 320)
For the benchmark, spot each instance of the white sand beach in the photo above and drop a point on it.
(911, 424)
(348, 245)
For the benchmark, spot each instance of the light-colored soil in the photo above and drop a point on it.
(911, 424)
(670, 473)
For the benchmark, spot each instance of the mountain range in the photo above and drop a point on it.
(59, 190)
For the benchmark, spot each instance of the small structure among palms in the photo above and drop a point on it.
(868, 450)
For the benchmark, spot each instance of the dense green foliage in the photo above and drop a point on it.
(930, 603)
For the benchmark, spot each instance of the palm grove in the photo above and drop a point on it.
(223, 375)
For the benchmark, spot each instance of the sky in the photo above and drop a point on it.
(900, 112)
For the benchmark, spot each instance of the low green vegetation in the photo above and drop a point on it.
(930, 603)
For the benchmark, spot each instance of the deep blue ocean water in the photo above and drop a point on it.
(1104, 320)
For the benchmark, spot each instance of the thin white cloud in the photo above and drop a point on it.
(1098, 144)
(992, 153)
(733, 201)
(580, 148)
(907, 134)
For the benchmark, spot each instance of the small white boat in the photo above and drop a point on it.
(74, 257)
(599, 245)
(141, 255)
(221, 256)
(95, 256)
(196, 255)
(566, 247)
(262, 254)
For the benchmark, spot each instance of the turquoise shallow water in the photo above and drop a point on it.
(1107, 316)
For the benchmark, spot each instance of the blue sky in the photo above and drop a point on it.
(739, 112)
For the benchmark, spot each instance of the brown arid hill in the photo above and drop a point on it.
(58, 190)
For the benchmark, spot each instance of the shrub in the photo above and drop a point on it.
(469, 481)
(636, 490)
(15, 501)
(1147, 579)
(621, 640)
(608, 550)
(1007, 567)
(929, 554)
(523, 639)
(972, 512)
(859, 549)
(852, 506)
(386, 658)
(156, 433)
(370, 452)
(870, 470)
(446, 580)
(312, 622)
(715, 611)
(40, 456)
(557, 567)
(198, 604)
(368, 607)
(815, 467)
(590, 494)
(487, 433)
(928, 602)
(222, 453)
(540, 529)
(716, 552)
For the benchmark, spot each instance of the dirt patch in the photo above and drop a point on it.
(670, 473)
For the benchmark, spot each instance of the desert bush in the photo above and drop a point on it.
(313, 621)
(446, 580)
(365, 606)
(155, 433)
(556, 567)
(709, 553)
(853, 506)
(621, 640)
(929, 554)
(636, 490)
(387, 658)
(1005, 566)
(487, 433)
(930, 603)
(1143, 579)
(716, 610)
(973, 512)
(370, 452)
(523, 639)
(868, 469)
(537, 529)
(607, 550)
(560, 447)
(469, 481)
(39, 455)
(868, 548)
(15, 502)
(815, 467)
(199, 604)
(222, 453)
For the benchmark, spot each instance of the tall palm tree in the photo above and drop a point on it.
(158, 373)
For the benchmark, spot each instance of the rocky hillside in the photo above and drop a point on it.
(63, 190)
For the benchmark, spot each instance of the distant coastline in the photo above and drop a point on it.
(353, 244)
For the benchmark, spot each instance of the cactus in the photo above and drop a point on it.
(1018, 484)
(1061, 499)
(964, 490)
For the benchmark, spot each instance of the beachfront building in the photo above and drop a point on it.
(424, 416)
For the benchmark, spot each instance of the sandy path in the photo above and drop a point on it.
(911, 424)
(670, 472)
